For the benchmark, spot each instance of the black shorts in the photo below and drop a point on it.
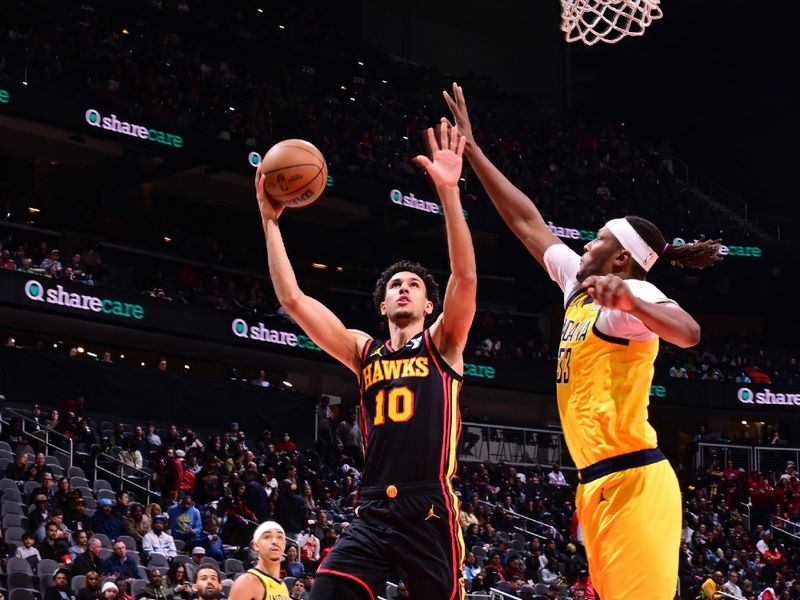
(416, 531)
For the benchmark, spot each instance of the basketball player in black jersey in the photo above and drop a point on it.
(407, 516)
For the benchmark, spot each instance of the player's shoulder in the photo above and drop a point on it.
(646, 291)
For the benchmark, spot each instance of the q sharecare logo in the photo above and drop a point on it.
(58, 296)
(767, 396)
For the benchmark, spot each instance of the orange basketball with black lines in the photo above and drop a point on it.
(296, 172)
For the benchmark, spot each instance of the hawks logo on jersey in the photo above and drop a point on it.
(393, 369)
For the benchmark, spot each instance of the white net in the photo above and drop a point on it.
(592, 21)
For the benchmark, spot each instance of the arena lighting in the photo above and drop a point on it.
(261, 10)
(122, 356)
(287, 384)
(231, 109)
(167, 239)
(352, 99)
(81, 350)
(384, 81)
(339, 269)
(92, 354)
(342, 87)
(361, 64)
(33, 210)
(281, 27)
(55, 345)
(319, 266)
(187, 367)
(125, 31)
(142, 363)
(744, 422)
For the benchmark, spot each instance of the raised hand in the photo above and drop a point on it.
(458, 107)
(447, 154)
(270, 209)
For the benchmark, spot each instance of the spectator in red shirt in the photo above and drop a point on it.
(773, 556)
(6, 262)
(286, 444)
(585, 582)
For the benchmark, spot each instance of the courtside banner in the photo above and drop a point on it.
(270, 334)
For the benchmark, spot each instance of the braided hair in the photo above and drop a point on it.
(698, 255)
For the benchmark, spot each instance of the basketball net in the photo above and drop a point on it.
(592, 21)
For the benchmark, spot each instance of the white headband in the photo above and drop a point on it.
(640, 250)
(266, 526)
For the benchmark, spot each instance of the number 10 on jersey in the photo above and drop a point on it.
(397, 404)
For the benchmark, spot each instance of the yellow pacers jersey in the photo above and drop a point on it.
(274, 589)
(603, 387)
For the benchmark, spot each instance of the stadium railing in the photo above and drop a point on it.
(57, 444)
(526, 521)
(786, 527)
(125, 477)
(515, 446)
(751, 458)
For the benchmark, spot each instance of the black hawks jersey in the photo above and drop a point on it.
(409, 413)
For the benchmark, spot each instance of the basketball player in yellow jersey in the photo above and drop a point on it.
(628, 501)
(262, 582)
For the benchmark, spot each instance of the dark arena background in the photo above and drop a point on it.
(141, 334)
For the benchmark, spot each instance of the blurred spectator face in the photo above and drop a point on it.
(95, 546)
(158, 526)
(297, 589)
(162, 365)
(402, 590)
(73, 352)
(155, 578)
(92, 577)
(60, 579)
(106, 357)
(120, 550)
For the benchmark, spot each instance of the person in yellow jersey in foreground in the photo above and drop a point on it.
(262, 582)
(628, 500)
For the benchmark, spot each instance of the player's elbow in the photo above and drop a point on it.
(691, 335)
(290, 301)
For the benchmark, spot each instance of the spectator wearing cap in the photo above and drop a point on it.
(584, 582)
(75, 517)
(53, 260)
(60, 589)
(105, 521)
(158, 540)
(40, 423)
(198, 554)
(185, 521)
(119, 564)
(90, 560)
(109, 591)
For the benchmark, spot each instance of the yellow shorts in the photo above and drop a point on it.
(631, 523)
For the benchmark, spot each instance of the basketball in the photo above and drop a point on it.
(296, 173)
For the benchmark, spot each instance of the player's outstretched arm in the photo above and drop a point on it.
(516, 209)
(667, 320)
(316, 319)
(452, 328)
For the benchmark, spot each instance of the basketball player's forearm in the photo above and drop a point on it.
(459, 239)
(516, 209)
(281, 272)
(670, 322)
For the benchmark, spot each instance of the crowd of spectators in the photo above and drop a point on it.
(519, 524)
